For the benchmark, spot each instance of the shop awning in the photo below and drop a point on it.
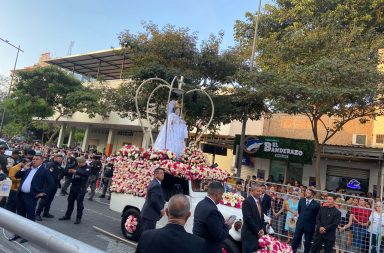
(104, 65)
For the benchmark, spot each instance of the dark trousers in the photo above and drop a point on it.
(107, 181)
(67, 182)
(45, 203)
(249, 246)
(92, 183)
(26, 205)
(318, 244)
(375, 243)
(299, 232)
(12, 201)
(75, 194)
(147, 224)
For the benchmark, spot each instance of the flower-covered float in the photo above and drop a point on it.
(133, 168)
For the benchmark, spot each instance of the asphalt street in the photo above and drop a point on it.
(96, 213)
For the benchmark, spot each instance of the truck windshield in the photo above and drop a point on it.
(200, 185)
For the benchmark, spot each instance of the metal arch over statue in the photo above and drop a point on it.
(174, 128)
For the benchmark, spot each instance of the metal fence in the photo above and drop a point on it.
(42, 236)
(362, 219)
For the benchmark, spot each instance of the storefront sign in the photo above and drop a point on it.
(354, 184)
(277, 148)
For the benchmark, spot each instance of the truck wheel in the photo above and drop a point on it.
(229, 246)
(130, 224)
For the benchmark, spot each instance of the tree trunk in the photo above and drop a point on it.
(317, 166)
(53, 136)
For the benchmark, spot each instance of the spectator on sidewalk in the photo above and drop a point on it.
(376, 227)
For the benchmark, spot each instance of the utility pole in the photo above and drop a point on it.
(11, 82)
(239, 158)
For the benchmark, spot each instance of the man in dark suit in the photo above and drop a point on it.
(172, 238)
(209, 223)
(153, 208)
(55, 170)
(36, 182)
(327, 221)
(266, 201)
(306, 223)
(253, 220)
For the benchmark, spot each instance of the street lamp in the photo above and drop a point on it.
(239, 158)
(12, 77)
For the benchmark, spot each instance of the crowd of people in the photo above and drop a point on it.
(336, 220)
(294, 208)
(36, 172)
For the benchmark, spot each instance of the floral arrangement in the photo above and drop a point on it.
(193, 156)
(133, 168)
(232, 199)
(131, 224)
(269, 244)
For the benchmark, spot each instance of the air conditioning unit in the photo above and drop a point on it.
(359, 139)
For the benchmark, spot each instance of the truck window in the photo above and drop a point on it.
(200, 185)
(173, 185)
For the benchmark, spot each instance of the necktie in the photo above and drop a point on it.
(259, 207)
(307, 202)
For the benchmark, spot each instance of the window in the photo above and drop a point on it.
(380, 138)
(173, 185)
(359, 139)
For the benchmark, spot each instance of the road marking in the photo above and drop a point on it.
(115, 236)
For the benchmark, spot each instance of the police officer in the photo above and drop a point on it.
(55, 170)
(96, 166)
(79, 181)
(70, 164)
(107, 180)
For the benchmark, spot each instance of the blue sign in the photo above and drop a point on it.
(354, 184)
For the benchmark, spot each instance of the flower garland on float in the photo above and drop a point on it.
(269, 244)
(133, 168)
(232, 199)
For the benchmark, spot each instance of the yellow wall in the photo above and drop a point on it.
(224, 162)
(299, 127)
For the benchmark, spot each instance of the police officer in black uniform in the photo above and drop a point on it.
(71, 164)
(79, 181)
(55, 170)
(107, 180)
(96, 166)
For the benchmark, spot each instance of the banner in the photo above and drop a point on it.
(278, 148)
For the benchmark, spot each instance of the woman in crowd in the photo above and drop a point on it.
(376, 227)
(344, 234)
(277, 203)
(291, 206)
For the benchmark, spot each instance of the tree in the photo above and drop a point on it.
(48, 91)
(319, 58)
(169, 52)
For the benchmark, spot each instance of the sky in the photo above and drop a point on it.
(40, 26)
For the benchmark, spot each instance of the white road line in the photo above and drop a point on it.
(115, 236)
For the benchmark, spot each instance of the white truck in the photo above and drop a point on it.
(130, 207)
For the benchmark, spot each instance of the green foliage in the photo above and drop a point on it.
(13, 129)
(169, 52)
(318, 58)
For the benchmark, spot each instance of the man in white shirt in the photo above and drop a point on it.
(35, 183)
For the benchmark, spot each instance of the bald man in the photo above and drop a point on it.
(172, 238)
